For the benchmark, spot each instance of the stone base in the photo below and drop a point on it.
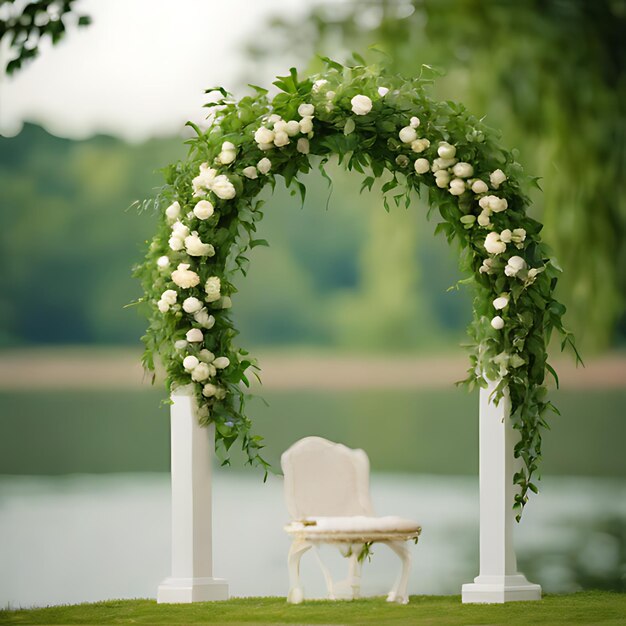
(500, 589)
(187, 590)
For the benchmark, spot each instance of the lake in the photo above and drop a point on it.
(79, 538)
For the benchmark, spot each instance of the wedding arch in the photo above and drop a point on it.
(384, 127)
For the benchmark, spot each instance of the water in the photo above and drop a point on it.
(85, 537)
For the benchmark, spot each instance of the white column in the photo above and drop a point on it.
(192, 559)
(498, 581)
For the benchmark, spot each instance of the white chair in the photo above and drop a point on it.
(327, 495)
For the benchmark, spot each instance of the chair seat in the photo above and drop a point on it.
(354, 527)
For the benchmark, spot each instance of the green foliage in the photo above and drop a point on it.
(25, 24)
(514, 355)
(551, 75)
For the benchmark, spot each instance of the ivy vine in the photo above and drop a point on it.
(385, 127)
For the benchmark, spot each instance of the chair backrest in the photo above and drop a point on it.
(325, 479)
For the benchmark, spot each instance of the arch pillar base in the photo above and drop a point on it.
(498, 580)
(500, 589)
(193, 449)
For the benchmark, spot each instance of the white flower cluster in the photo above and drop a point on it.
(278, 132)
(209, 180)
(496, 243)
(262, 167)
(203, 367)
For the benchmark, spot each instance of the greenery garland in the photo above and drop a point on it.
(385, 127)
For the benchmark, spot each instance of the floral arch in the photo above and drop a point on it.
(381, 126)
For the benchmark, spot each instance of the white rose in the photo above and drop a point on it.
(419, 145)
(264, 135)
(514, 265)
(169, 296)
(479, 186)
(280, 126)
(228, 153)
(209, 390)
(194, 335)
(361, 105)
(206, 355)
(221, 362)
(319, 84)
(184, 277)
(250, 172)
(281, 139)
(497, 177)
(226, 302)
(163, 261)
(303, 145)
(204, 319)
(497, 205)
(181, 344)
(189, 362)
(179, 230)
(201, 372)
(330, 96)
(191, 305)
(483, 219)
(468, 220)
(265, 146)
(264, 165)
(306, 110)
(414, 122)
(463, 170)
(176, 243)
(203, 210)
(306, 125)
(493, 245)
(173, 211)
(505, 235)
(273, 118)
(422, 166)
(487, 266)
(223, 188)
(500, 303)
(497, 322)
(442, 164)
(484, 203)
(407, 134)
(164, 307)
(220, 393)
(457, 187)
(383, 91)
(446, 150)
(204, 180)
(195, 247)
(518, 236)
(442, 178)
(293, 128)
(212, 288)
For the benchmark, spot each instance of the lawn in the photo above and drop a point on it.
(588, 608)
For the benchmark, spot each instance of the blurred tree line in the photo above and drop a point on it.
(70, 236)
(551, 74)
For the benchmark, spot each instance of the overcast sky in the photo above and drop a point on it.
(140, 69)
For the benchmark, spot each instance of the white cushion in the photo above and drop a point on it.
(354, 524)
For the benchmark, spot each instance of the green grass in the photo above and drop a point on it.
(588, 608)
(60, 432)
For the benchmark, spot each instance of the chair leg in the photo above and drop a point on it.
(330, 586)
(398, 592)
(297, 549)
(354, 574)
